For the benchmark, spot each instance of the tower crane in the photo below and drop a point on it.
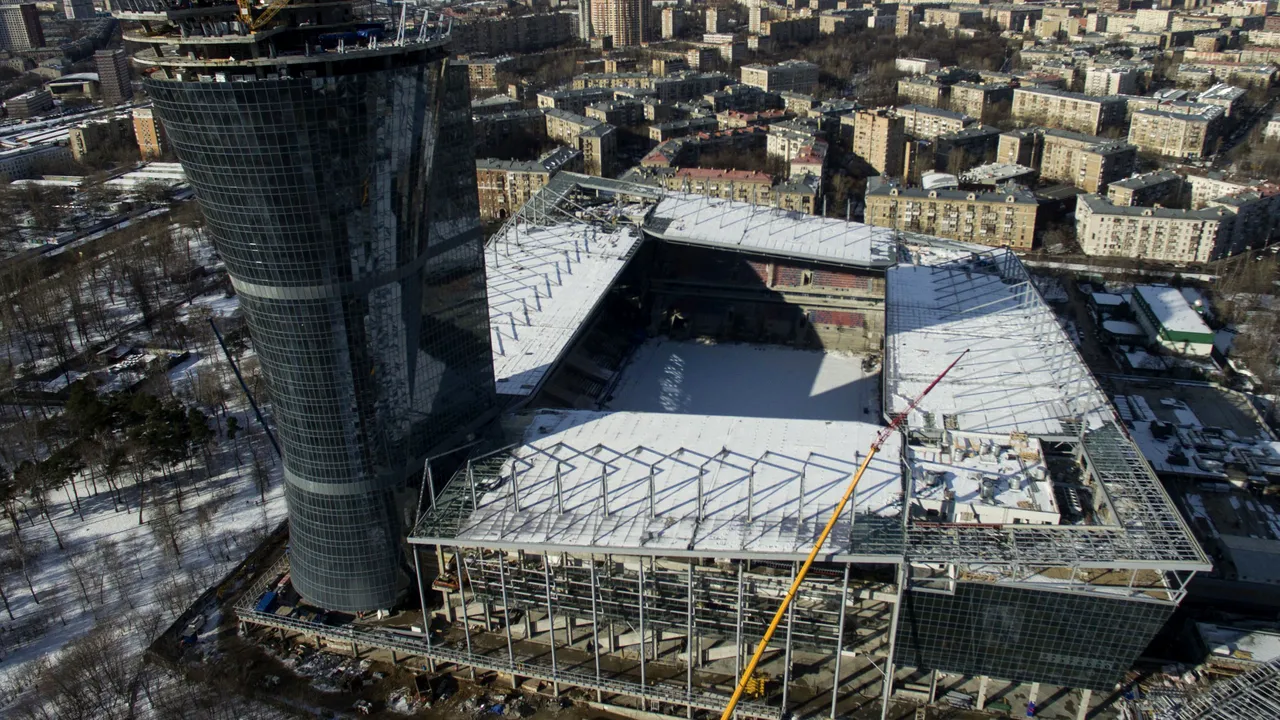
(749, 679)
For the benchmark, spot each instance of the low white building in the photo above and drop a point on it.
(1170, 321)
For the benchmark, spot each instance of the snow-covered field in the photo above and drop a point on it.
(116, 573)
(747, 380)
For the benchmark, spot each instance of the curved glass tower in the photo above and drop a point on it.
(338, 185)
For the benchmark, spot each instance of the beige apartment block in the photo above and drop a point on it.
(878, 137)
(1003, 218)
(790, 76)
(925, 122)
(1174, 134)
(1161, 187)
(1067, 110)
(979, 100)
(923, 91)
(1164, 234)
(1090, 163)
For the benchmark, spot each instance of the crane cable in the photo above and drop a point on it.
(822, 538)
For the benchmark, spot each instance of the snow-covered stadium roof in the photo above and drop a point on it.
(710, 485)
(1022, 373)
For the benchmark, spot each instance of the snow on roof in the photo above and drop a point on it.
(543, 284)
(719, 484)
(1172, 309)
(1122, 327)
(1109, 299)
(713, 222)
(960, 472)
(1241, 643)
(1022, 373)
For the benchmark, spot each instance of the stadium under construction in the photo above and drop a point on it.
(689, 386)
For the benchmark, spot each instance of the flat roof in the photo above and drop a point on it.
(645, 482)
(1022, 373)
(1172, 309)
(713, 222)
(544, 282)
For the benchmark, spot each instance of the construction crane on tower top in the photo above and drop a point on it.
(749, 679)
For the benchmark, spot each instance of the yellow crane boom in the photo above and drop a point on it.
(254, 24)
(749, 672)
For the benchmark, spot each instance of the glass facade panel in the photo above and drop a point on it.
(1026, 635)
(345, 208)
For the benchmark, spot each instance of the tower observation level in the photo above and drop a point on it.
(333, 160)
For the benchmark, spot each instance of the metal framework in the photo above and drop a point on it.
(1254, 695)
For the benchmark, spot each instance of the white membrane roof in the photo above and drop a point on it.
(728, 224)
(543, 284)
(1022, 373)
(630, 481)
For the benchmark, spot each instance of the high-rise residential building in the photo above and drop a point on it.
(92, 136)
(340, 190)
(79, 9)
(149, 133)
(584, 20)
(625, 21)
(878, 138)
(114, 79)
(672, 22)
(20, 27)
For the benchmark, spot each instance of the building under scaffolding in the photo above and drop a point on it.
(1010, 530)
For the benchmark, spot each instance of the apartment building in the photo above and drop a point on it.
(1004, 218)
(1067, 110)
(672, 22)
(923, 91)
(619, 113)
(952, 18)
(597, 141)
(1176, 134)
(512, 33)
(742, 185)
(967, 148)
(505, 185)
(115, 80)
(790, 76)
(92, 136)
(149, 133)
(625, 22)
(20, 27)
(790, 31)
(787, 140)
(1164, 234)
(574, 101)
(878, 138)
(1102, 81)
(1161, 187)
(1088, 162)
(921, 121)
(980, 100)
(916, 66)
(29, 104)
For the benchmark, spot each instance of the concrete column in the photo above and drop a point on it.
(1031, 699)
(933, 686)
(1086, 695)
(982, 692)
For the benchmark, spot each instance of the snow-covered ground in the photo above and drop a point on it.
(747, 380)
(145, 587)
